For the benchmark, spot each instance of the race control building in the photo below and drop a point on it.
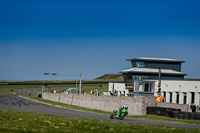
(143, 80)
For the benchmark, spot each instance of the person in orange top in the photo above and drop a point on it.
(159, 98)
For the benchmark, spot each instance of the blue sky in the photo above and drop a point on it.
(61, 36)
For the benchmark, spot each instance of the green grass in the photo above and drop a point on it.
(168, 119)
(16, 87)
(6, 93)
(145, 117)
(17, 122)
(59, 88)
(110, 77)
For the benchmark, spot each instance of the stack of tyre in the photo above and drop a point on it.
(173, 113)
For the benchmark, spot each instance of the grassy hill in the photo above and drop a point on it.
(193, 79)
(110, 77)
(119, 77)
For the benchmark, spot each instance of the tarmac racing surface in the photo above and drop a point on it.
(16, 103)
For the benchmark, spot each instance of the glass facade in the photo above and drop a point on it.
(131, 78)
(156, 65)
(139, 64)
(144, 86)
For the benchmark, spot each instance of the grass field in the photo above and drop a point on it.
(162, 118)
(17, 87)
(101, 87)
(18, 122)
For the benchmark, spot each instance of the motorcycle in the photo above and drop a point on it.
(116, 114)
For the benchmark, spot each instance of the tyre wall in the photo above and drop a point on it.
(183, 107)
(173, 113)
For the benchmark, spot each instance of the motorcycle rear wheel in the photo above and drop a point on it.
(112, 116)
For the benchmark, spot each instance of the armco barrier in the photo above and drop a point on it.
(136, 105)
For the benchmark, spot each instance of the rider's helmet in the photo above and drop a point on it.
(126, 107)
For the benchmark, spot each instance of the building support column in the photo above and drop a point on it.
(196, 102)
(188, 98)
(174, 96)
(181, 97)
(167, 97)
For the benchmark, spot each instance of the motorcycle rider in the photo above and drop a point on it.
(120, 113)
(121, 108)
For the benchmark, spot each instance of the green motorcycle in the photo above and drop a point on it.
(116, 114)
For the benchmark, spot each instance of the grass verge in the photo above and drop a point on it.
(12, 121)
(162, 118)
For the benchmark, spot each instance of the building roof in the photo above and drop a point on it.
(151, 71)
(155, 59)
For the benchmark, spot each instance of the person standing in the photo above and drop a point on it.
(91, 92)
(159, 98)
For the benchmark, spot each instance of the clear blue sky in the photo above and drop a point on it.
(62, 36)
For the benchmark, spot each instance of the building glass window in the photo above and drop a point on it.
(192, 97)
(151, 87)
(170, 97)
(128, 78)
(140, 64)
(146, 86)
(134, 64)
(164, 96)
(137, 77)
(177, 97)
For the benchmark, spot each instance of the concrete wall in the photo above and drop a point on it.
(137, 105)
(175, 87)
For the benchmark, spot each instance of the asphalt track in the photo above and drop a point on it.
(16, 103)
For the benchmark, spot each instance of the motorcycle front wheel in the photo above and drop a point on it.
(122, 117)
